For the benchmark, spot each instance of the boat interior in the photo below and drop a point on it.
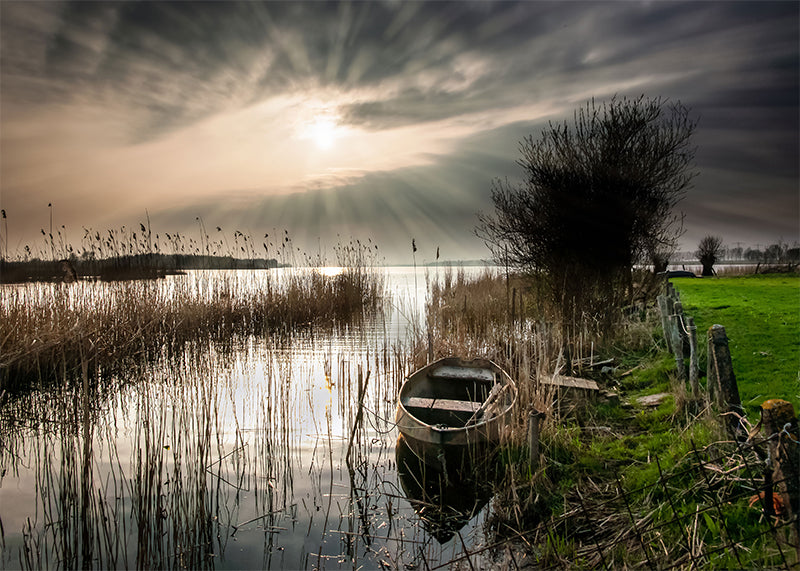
(451, 396)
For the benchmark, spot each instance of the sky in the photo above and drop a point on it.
(382, 121)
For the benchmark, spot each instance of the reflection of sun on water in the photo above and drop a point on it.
(330, 271)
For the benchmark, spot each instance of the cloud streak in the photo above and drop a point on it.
(110, 108)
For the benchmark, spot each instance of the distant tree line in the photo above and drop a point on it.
(711, 250)
(779, 253)
(139, 266)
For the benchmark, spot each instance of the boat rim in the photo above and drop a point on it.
(443, 428)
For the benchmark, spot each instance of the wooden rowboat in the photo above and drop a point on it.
(452, 411)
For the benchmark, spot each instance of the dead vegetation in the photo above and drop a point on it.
(49, 329)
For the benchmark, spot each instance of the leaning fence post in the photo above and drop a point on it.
(726, 390)
(780, 428)
(533, 438)
(694, 369)
(670, 290)
(712, 379)
(670, 304)
(662, 307)
(677, 339)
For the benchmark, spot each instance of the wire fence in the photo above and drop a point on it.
(718, 507)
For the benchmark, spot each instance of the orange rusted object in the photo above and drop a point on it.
(777, 503)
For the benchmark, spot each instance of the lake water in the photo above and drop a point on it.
(232, 456)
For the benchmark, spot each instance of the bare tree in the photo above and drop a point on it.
(660, 257)
(775, 253)
(708, 252)
(598, 196)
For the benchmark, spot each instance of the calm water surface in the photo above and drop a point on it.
(231, 457)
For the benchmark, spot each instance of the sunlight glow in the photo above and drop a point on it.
(331, 271)
(323, 133)
(324, 130)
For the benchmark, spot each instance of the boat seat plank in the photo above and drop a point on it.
(443, 404)
(451, 372)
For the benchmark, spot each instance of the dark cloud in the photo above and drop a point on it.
(708, 54)
(748, 207)
(179, 62)
(160, 67)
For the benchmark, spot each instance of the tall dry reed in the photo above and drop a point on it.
(506, 318)
(205, 453)
(48, 329)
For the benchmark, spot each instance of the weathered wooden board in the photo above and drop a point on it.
(571, 383)
(443, 404)
(448, 372)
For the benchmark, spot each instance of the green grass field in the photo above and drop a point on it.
(761, 316)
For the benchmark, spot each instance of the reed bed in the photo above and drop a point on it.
(49, 329)
(234, 418)
(503, 318)
(276, 451)
(231, 460)
(216, 456)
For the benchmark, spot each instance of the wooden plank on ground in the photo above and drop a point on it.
(571, 383)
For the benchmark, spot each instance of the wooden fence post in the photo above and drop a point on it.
(726, 391)
(670, 289)
(712, 379)
(670, 302)
(677, 339)
(663, 309)
(533, 438)
(694, 369)
(779, 423)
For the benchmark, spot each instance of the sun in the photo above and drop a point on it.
(323, 131)
(324, 128)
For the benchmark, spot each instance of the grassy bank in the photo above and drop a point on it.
(620, 482)
(761, 315)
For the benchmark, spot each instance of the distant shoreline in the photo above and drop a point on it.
(119, 268)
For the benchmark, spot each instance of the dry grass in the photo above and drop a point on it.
(504, 319)
(49, 329)
(485, 317)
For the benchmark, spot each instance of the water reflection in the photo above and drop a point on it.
(225, 455)
(445, 502)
